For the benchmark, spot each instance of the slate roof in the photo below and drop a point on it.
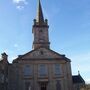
(77, 79)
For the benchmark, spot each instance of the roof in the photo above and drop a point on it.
(77, 79)
(46, 55)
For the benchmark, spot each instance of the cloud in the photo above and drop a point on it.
(17, 1)
(16, 45)
(20, 4)
(20, 7)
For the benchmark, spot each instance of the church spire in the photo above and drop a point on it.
(40, 30)
(39, 17)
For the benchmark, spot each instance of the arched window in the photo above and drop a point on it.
(27, 70)
(41, 35)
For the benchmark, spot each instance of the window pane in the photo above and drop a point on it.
(57, 69)
(42, 70)
(27, 70)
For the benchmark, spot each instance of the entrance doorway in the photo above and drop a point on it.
(43, 86)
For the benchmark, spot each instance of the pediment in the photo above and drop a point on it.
(42, 53)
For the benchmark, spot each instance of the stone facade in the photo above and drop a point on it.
(39, 69)
(46, 77)
(25, 71)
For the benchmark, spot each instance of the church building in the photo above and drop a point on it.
(41, 68)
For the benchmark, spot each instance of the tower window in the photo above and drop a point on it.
(41, 36)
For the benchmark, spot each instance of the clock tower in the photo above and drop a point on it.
(40, 30)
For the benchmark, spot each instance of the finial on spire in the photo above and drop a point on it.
(39, 18)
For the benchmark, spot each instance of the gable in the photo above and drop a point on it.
(42, 53)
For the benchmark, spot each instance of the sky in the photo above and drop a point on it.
(69, 29)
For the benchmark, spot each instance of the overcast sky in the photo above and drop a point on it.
(69, 30)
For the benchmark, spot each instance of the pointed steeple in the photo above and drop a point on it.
(39, 17)
(40, 30)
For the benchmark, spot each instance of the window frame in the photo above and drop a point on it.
(57, 69)
(27, 71)
(42, 70)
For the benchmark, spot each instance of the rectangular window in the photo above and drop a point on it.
(27, 70)
(57, 69)
(42, 70)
